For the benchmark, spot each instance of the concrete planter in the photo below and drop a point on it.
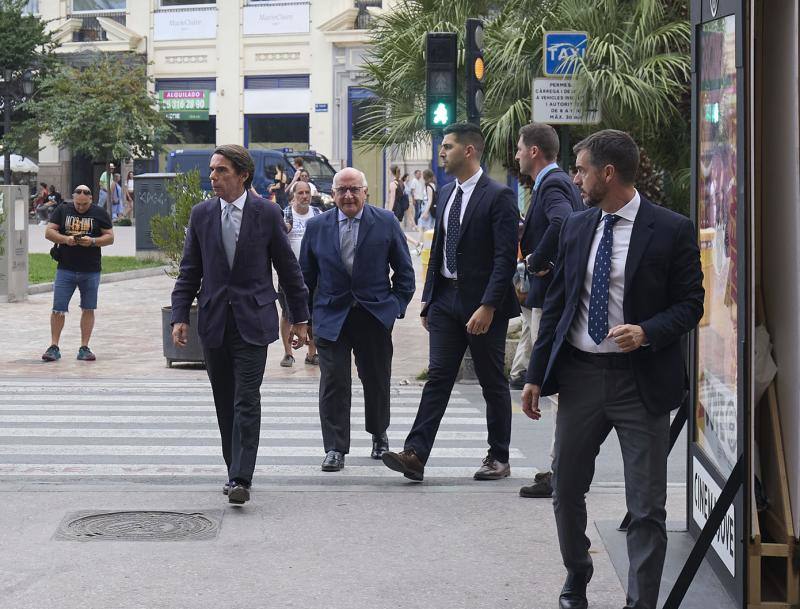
(193, 351)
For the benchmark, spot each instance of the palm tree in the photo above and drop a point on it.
(636, 70)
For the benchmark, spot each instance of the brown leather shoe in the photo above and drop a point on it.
(406, 462)
(542, 487)
(492, 469)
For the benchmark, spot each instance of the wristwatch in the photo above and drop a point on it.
(94, 242)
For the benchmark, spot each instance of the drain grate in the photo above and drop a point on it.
(140, 526)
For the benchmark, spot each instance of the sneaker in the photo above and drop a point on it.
(52, 354)
(287, 361)
(85, 354)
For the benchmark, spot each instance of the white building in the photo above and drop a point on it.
(279, 73)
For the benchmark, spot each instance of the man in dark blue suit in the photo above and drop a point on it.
(346, 256)
(467, 302)
(554, 197)
(232, 243)
(626, 287)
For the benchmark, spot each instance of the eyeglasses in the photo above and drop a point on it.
(81, 191)
(353, 190)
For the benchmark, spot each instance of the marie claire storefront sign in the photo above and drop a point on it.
(185, 25)
(278, 18)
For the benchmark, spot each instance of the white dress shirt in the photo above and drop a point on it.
(578, 335)
(236, 213)
(466, 188)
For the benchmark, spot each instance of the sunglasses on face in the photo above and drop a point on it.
(81, 191)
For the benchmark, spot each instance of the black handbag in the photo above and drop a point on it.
(55, 253)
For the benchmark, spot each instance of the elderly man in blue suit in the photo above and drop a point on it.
(346, 257)
(232, 243)
(627, 286)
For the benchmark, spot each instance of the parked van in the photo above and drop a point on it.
(267, 162)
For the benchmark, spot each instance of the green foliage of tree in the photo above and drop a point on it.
(169, 232)
(637, 70)
(25, 44)
(103, 111)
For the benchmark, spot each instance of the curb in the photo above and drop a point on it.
(41, 288)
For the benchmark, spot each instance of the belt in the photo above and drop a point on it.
(607, 361)
(452, 283)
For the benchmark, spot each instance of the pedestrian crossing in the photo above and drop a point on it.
(160, 430)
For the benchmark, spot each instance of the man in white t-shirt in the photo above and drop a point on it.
(296, 215)
(418, 192)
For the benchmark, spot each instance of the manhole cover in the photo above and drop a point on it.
(140, 526)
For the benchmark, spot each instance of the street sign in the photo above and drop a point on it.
(320, 107)
(559, 50)
(184, 105)
(554, 103)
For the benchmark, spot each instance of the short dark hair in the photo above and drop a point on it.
(543, 136)
(241, 160)
(467, 134)
(612, 147)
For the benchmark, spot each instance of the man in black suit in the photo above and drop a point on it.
(346, 256)
(467, 302)
(232, 242)
(626, 287)
(554, 197)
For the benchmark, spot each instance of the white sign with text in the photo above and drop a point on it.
(554, 103)
(705, 492)
(276, 19)
(185, 25)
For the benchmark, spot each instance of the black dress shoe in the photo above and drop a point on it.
(333, 462)
(380, 444)
(573, 594)
(238, 494)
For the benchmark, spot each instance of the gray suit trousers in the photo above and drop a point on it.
(593, 399)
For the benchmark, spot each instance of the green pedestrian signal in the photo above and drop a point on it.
(440, 115)
(441, 88)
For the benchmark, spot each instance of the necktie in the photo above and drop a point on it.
(348, 244)
(229, 233)
(453, 230)
(598, 299)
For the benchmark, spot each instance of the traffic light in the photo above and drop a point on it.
(441, 81)
(473, 61)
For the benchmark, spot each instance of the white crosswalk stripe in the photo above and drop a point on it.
(76, 429)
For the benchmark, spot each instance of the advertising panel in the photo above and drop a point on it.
(716, 414)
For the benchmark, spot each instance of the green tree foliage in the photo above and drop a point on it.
(637, 71)
(25, 44)
(169, 232)
(103, 111)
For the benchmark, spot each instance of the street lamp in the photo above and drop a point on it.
(8, 96)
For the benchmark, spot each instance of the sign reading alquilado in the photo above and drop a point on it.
(188, 105)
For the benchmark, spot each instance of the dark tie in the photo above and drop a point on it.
(598, 300)
(453, 230)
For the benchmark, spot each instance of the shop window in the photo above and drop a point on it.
(186, 3)
(98, 6)
(278, 131)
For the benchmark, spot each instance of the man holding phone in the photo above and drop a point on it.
(79, 229)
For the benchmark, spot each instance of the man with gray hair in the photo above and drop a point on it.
(345, 256)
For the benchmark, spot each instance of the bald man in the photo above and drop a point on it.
(345, 256)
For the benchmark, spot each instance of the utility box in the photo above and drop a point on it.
(151, 198)
(13, 243)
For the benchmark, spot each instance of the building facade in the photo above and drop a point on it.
(265, 73)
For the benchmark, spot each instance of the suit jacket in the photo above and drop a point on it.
(555, 199)
(663, 294)
(248, 285)
(486, 257)
(381, 245)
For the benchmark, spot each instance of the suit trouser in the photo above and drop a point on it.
(236, 370)
(448, 341)
(371, 344)
(527, 336)
(593, 400)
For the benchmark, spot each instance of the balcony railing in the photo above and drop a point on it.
(91, 30)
